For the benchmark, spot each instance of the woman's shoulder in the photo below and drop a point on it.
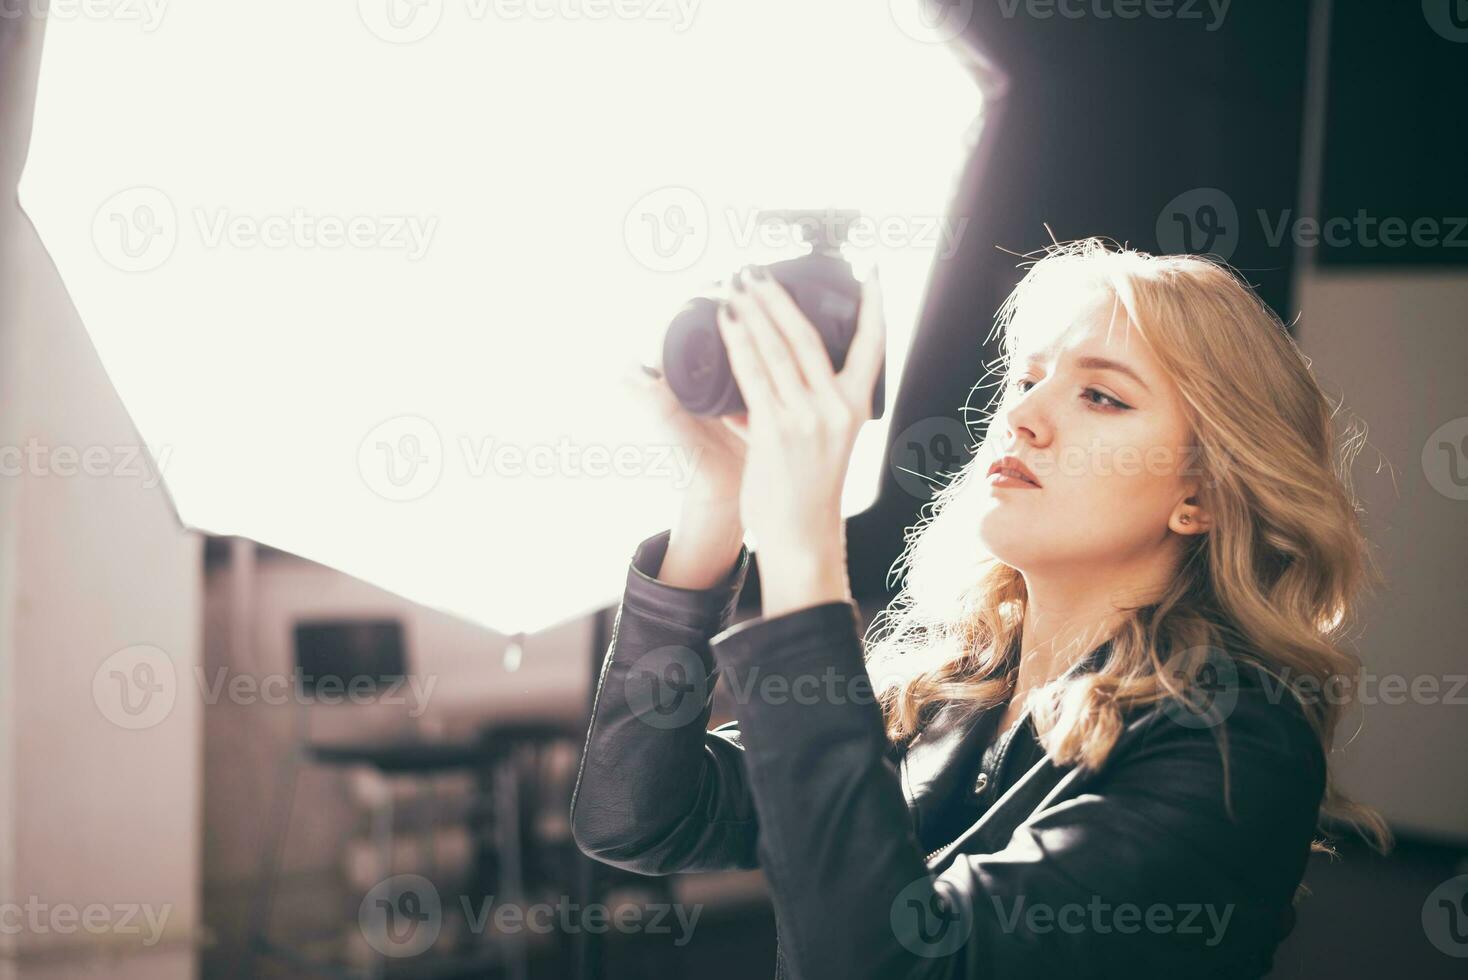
(1235, 712)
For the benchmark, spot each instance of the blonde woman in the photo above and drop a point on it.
(1090, 736)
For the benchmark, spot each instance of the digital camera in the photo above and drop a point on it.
(694, 359)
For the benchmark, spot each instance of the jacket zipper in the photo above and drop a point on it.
(998, 764)
(945, 847)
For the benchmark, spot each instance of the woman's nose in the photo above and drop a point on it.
(1025, 417)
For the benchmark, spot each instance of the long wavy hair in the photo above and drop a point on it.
(1273, 582)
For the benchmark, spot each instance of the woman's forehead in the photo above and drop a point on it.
(1060, 321)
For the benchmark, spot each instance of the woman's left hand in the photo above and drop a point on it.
(801, 426)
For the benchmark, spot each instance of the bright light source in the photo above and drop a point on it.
(337, 258)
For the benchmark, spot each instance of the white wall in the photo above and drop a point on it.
(98, 819)
(1395, 345)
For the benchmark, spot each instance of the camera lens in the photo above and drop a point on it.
(696, 363)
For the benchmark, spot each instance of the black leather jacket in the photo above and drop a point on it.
(961, 856)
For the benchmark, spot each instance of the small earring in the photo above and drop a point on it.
(1185, 519)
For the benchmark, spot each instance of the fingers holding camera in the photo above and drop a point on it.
(649, 391)
(745, 361)
(655, 397)
(858, 377)
(738, 424)
(799, 334)
(770, 348)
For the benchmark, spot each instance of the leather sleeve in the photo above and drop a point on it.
(655, 793)
(1144, 873)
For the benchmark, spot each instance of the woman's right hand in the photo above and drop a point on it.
(708, 532)
(712, 442)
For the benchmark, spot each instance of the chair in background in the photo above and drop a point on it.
(333, 657)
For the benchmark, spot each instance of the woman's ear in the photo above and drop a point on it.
(1189, 517)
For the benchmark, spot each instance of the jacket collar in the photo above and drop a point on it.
(946, 753)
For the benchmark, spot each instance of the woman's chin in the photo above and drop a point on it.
(998, 536)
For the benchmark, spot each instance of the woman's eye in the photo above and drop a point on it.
(1106, 399)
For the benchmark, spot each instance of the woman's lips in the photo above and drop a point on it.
(1010, 470)
(1003, 479)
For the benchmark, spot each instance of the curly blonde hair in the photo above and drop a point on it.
(1273, 581)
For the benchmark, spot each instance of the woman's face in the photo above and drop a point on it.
(1108, 443)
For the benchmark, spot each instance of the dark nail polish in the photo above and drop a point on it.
(731, 313)
(650, 371)
(759, 273)
(738, 281)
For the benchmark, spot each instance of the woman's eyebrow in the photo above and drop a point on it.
(1091, 362)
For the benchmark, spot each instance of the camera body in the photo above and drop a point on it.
(694, 359)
